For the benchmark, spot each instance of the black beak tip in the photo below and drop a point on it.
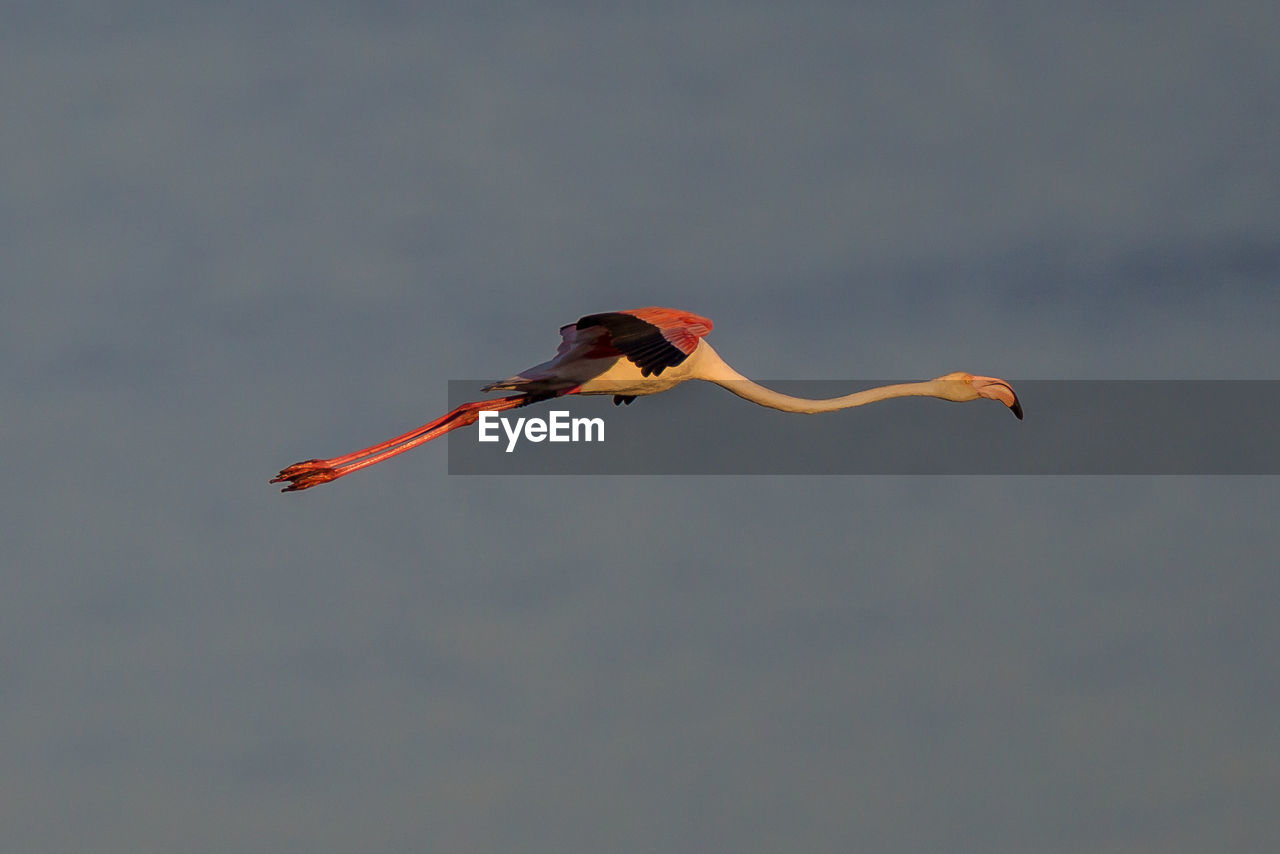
(1017, 408)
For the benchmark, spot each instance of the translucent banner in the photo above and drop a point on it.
(1072, 427)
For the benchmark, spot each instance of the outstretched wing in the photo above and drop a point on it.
(654, 339)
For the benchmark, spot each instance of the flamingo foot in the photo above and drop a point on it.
(305, 475)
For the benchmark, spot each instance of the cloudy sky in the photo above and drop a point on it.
(238, 235)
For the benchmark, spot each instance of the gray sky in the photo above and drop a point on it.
(238, 237)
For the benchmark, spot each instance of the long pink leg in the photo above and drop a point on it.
(309, 473)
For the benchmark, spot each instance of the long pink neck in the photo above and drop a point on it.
(716, 370)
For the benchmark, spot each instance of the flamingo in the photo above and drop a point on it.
(628, 354)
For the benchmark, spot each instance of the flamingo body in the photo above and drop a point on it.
(624, 353)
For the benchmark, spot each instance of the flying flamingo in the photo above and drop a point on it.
(628, 354)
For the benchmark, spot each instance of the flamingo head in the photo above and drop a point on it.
(964, 386)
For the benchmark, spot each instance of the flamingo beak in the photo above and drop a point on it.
(995, 389)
